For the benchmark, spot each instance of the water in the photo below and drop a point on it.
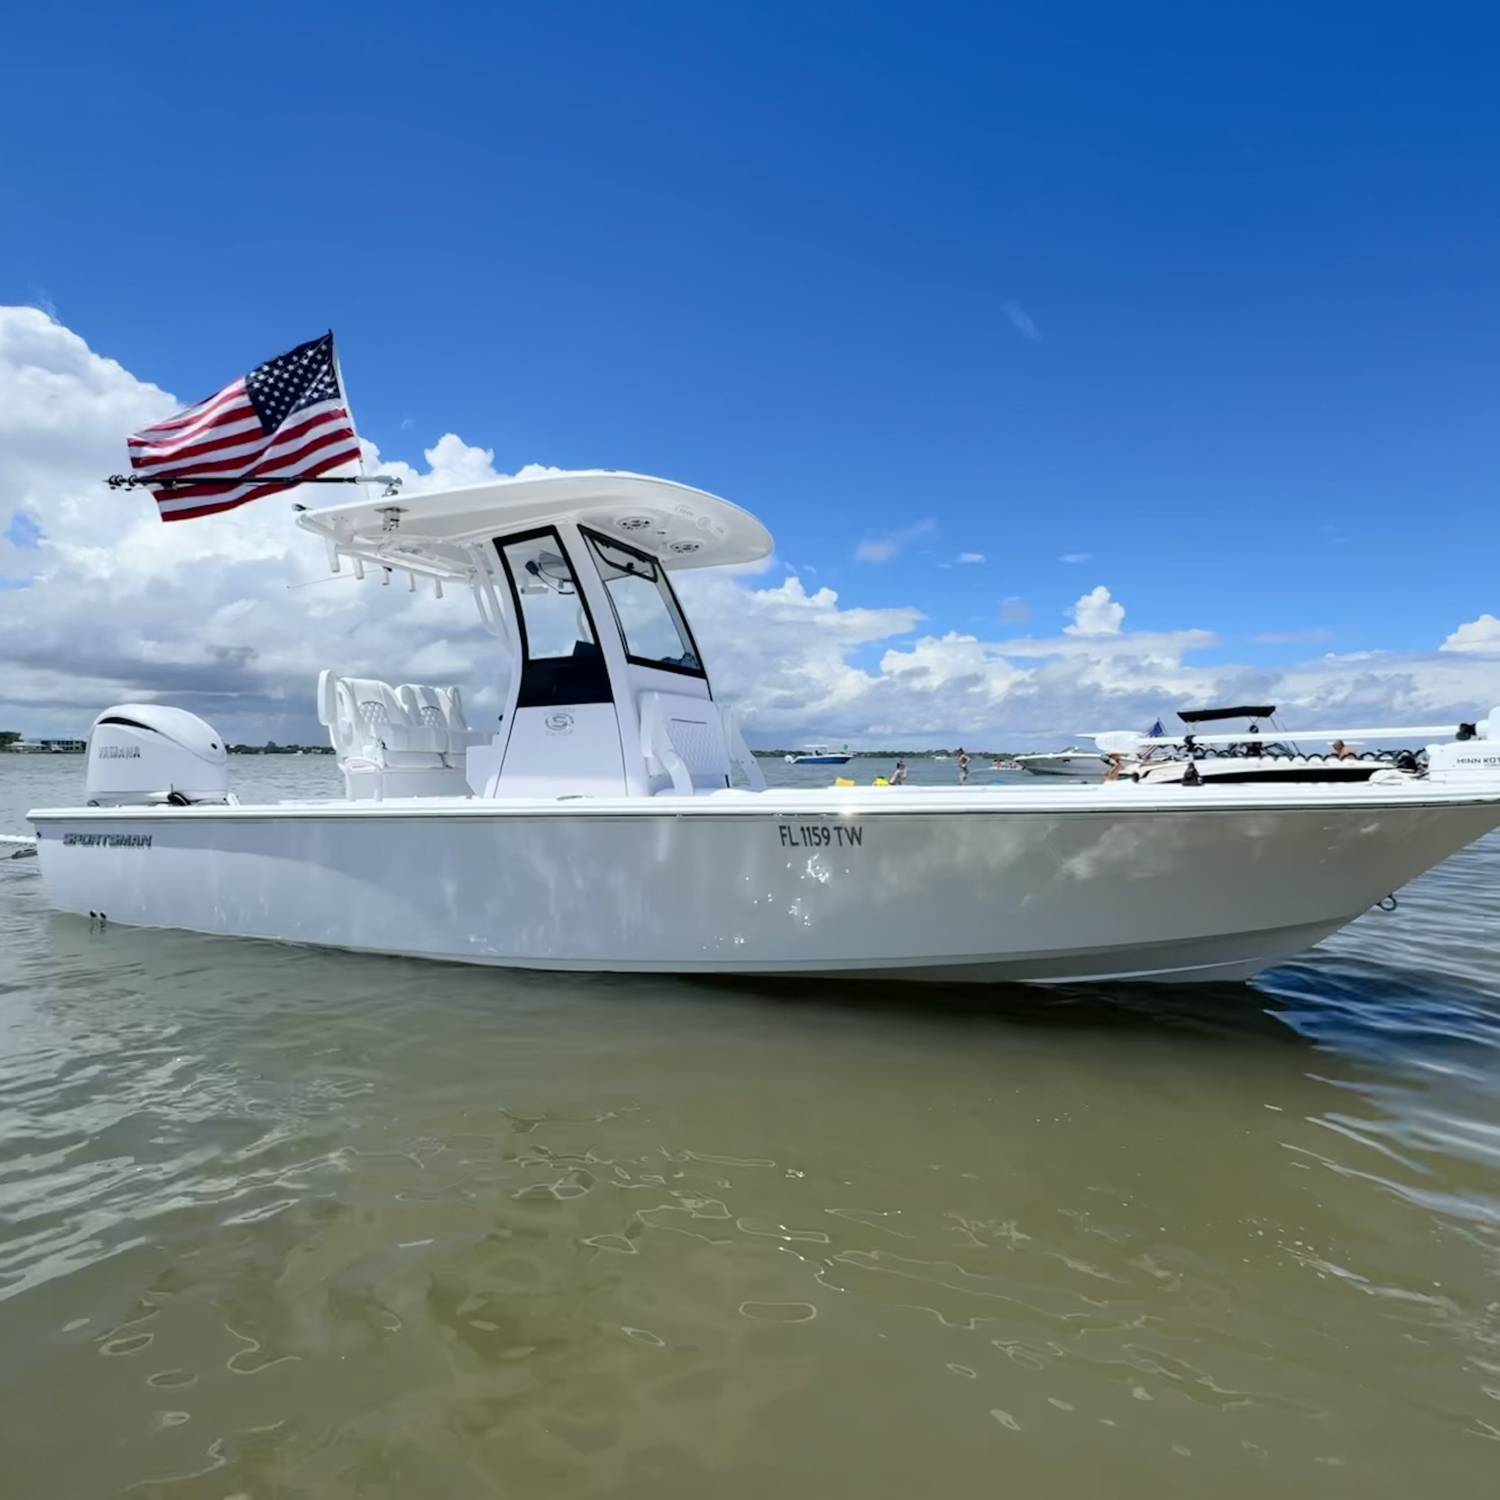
(283, 1223)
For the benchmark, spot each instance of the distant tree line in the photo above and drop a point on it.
(272, 748)
(9, 738)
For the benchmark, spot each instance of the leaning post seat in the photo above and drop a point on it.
(693, 745)
(395, 742)
(441, 708)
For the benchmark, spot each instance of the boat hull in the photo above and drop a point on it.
(981, 889)
(1084, 768)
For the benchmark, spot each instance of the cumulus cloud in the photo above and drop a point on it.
(1482, 634)
(1096, 614)
(232, 616)
(879, 549)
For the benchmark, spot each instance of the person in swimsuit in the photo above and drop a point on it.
(963, 766)
(898, 776)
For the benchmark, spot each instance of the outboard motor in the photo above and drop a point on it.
(147, 753)
(1473, 757)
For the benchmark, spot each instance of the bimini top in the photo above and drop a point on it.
(1212, 715)
(435, 531)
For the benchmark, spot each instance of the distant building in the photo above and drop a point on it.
(48, 747)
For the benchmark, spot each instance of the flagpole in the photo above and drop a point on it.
(338, 375)
(191, 481)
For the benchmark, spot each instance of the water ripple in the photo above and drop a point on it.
(279, 1221)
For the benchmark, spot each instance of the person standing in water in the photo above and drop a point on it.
(898, 776)
(963, 766)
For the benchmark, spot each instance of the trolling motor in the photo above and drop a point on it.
(1473, 756)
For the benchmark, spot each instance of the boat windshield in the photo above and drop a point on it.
(656, 635)
(561, 660)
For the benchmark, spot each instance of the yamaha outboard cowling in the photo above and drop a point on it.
(147, 753)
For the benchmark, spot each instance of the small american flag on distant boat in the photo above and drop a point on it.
(286, 421)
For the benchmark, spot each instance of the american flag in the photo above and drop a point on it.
(287, 416)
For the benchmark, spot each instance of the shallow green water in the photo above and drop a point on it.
(276, 1222)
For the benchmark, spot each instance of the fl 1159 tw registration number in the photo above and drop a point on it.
(821, 835)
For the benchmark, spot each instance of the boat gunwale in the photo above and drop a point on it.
(1110, 801)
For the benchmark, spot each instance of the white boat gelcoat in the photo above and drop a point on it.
(920, 882)
(603, 834)
(1078, 765)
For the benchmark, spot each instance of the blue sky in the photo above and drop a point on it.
(1205, 293)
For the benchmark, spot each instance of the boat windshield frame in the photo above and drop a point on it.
(550, 681)
(593, 541)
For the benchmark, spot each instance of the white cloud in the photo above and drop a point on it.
(879, 549)
(1096, 614)
(1482, 634)
(963, 560)
(1022, 322)
(1076, 557)
(779, 650)
(232, 616)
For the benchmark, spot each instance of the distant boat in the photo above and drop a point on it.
(818, 755)
(1260, 759)
(1081, 765)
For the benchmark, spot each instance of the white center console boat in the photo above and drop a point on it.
(818, 755)
(615, 820)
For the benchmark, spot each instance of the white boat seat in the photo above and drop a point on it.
(382, 726)
(683, 741)
(388, 743)
(441, 709)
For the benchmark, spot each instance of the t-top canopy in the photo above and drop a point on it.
(1210, 715)
(433, 531)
